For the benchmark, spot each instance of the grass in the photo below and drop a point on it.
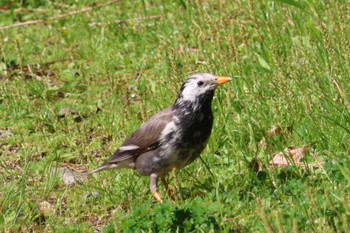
(119, 64)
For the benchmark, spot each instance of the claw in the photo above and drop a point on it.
(157, 197)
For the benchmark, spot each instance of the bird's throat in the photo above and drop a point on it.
(201, 103)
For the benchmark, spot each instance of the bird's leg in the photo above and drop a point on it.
(165, 183)
(153, 187)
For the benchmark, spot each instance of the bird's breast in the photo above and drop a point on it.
(196, 128)
(186, 138)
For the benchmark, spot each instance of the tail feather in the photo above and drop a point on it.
(128, 163)
(101, 168)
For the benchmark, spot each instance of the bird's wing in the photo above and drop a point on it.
(144, 139)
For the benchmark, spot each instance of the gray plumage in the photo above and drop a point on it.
(174, 137)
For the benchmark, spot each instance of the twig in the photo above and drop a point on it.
(24, 11)
(120, 21)
(342, 94)
(31, 22)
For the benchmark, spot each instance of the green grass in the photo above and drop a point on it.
(285, 57)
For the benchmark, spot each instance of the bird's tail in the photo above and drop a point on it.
(103, 167)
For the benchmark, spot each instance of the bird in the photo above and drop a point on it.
(174, 137)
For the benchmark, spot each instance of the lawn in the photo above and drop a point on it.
(76, 78)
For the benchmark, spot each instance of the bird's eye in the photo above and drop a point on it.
(200, 83)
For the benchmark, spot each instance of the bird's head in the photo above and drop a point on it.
(199, 88)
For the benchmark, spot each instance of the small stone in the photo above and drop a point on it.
(68, 176)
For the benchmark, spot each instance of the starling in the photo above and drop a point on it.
(174, 137)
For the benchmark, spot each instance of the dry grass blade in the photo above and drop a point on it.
(274, 131)
(342, 94)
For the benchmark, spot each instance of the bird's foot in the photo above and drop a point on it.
(157, 197)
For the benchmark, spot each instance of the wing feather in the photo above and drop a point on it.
(144, 139)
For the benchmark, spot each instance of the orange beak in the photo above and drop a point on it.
(222, 80)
